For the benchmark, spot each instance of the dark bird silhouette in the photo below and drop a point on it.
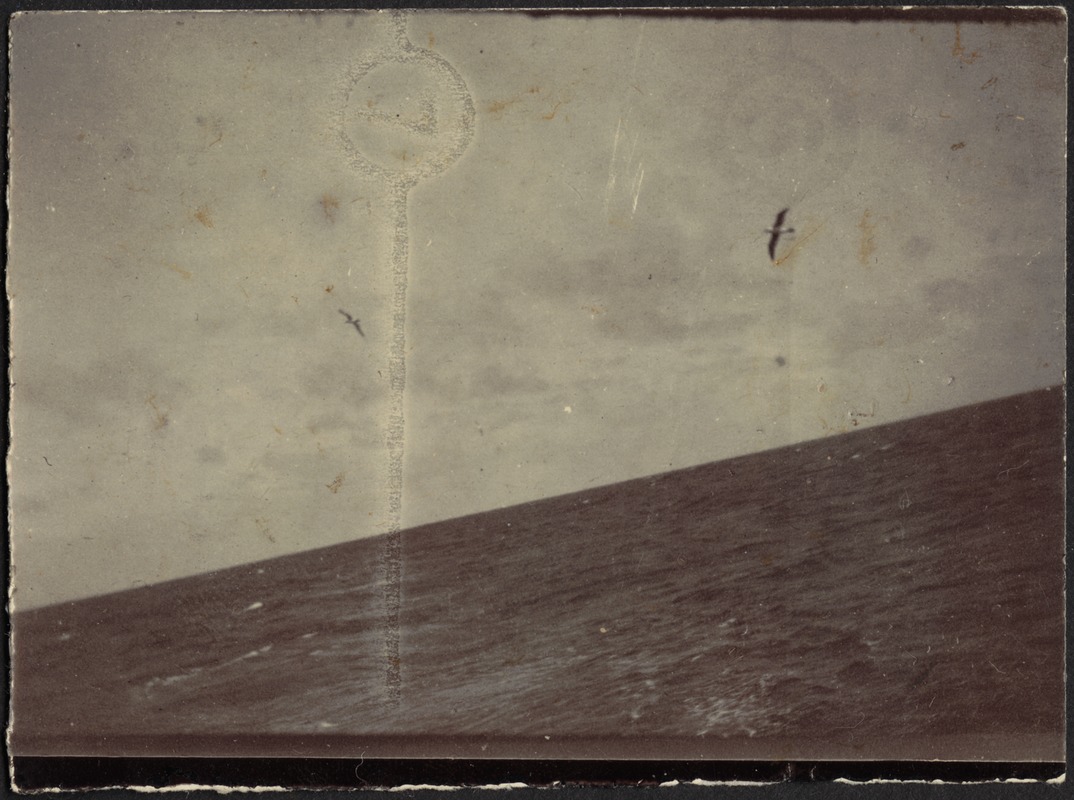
(352, 321)
(777, 230)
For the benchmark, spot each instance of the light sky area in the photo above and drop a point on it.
(589, 296)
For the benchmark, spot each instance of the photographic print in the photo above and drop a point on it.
(538, 385)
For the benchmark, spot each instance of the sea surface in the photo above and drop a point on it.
(895, 590)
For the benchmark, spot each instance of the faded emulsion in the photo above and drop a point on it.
(704, 398)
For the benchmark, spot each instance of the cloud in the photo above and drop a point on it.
(89, 395)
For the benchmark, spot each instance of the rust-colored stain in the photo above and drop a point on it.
(594, 310)
(959, 51)
(333, 487)
(329, 206)
(279, 431)
(868, 241)
(178, 270)
(497, 106)
(767, 559)
(203, 216)
(990, 82)
(161, 416)
(432, 41)
(552, 114)
(328, 289)
(81, 136)
(958, 145)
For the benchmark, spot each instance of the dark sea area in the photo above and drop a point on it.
(893, 592)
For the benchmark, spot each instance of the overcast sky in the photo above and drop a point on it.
(589, 295)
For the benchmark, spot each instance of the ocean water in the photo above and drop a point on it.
(895, 585)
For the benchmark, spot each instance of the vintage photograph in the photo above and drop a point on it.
(548, 385)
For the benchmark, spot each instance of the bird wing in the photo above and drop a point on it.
(780, 217)
(772, 243)
(348, 316)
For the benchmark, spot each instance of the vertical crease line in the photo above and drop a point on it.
(392, 551)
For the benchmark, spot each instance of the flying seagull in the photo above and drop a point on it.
(352, 321)
(777, 230)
